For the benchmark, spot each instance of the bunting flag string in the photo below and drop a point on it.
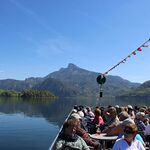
(139, 49)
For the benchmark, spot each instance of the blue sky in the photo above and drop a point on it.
(38, 37)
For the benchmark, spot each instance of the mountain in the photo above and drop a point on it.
(56, 87)
(71, 81)
(19, 85)
(142, 91)
(145, 84)
(84, 81)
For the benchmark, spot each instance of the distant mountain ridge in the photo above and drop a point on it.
(71, 81)
(84, 81)
(142, 91)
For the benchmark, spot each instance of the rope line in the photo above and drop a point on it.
(124, 60)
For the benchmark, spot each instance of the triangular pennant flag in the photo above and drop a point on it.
(123, 61)
(129, 55)
(139, 49)
(134, 53)
(145, 45)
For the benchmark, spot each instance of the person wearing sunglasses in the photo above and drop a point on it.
(128, 141)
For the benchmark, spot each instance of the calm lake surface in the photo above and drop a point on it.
(33, 124)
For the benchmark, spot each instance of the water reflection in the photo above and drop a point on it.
(29, 120)
(56, 110)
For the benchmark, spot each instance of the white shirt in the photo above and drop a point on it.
(121, 144)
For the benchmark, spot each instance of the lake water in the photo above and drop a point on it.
(33, 124)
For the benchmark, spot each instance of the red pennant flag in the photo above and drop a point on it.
(139, 49)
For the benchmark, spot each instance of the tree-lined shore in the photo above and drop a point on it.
(27, 94)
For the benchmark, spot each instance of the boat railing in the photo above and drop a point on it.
(54, 141)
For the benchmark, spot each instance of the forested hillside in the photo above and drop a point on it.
(71, 81)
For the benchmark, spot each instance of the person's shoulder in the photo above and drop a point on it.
(139, 144)
(80, 138)
(118, 144)
(148, 126)
(137, 141)
(120, 140)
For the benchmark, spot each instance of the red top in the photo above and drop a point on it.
(98, 120)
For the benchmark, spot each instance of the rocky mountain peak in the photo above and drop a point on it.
(72, 66)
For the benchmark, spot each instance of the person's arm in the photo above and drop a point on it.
(109, 128)
(84, 145)
(59, 145)
(116, 130)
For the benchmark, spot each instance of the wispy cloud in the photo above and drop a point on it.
(35, 17)
(55, 46)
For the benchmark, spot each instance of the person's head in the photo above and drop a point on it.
(148, 110)
(142, 110)
(140, 116)
(88, 109)
(69, 127)
(97, 112)
(123, 115)
(81, 113)
(112, 111)
(130, 131)
(121, 109)
(130, 109)
(126, 109)
(76, 117)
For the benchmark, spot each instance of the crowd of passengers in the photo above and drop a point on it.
(131, 125)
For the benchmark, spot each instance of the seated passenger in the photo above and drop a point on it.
(128, 142)
(68, 139)
(97, 121)
(90, 113)
(125, 119)
(139, 121)
(85, 135)
(119, 129)
(113, 120)
(98, 118)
